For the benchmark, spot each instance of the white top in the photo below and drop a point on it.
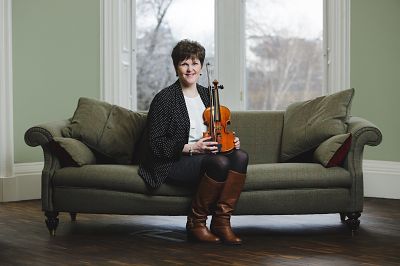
(195, 107)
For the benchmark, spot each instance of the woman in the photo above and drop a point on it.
(180, 155)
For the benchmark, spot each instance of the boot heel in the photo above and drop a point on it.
(204, 237)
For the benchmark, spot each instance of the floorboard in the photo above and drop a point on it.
(161, 240)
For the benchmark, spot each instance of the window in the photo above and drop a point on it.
(268, 53)
(284, 52)
(160, 24)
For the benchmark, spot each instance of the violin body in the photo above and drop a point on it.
(217, 118)
(221, 134)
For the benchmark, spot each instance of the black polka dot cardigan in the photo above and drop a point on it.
(167, 132)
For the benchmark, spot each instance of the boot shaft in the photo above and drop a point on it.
(221, 221)
(206, 196)
(230, 193)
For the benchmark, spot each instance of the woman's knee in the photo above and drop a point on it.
(217, 167)
(239, 161)
(242, 157)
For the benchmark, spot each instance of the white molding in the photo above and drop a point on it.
(6, 94)
(28, 168)
(381, 179)
(24, 185)
(229, 51)
(116, 52)
(337, 45)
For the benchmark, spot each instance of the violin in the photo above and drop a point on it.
(217, 118)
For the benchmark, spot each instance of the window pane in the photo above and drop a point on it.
(284, 52)
(160, 24)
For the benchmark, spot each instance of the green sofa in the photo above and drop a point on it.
(271, 187)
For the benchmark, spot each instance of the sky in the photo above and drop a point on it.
(194, 19)
(298, 18)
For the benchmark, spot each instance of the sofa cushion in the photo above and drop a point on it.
(294, 176)
(108, 129)
(112, 177)
(78, 151)
(124, 178)
(308, 123)
(333, 151)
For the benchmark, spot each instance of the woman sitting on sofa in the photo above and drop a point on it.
(180, 155)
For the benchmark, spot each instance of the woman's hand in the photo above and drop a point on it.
(236, 141)
(204, 146)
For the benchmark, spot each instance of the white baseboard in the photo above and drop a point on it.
(381, 180)
(25, 184)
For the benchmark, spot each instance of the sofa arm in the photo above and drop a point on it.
(363, 133)
(43, 135)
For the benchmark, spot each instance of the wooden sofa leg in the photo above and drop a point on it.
(353, 222)
(73, 216)
(52, 222)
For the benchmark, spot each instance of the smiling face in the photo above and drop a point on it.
(188, 71)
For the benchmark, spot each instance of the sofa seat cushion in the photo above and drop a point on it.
(124, 178)
(112, 177)
(294, 176)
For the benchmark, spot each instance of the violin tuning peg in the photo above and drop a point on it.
(221, 87)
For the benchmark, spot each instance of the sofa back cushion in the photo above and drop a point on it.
(260, 134)
(110, 130)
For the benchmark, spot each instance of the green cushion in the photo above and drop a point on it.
(123, 178)
(108, 129)
(332, 151)
(279, 176)
(308, 123)
(78, 151)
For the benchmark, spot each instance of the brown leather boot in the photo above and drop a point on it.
(221, 221)
(207, 194)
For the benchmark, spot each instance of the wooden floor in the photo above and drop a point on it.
(160, 240)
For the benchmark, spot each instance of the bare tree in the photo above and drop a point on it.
(154, 70)
(281, 68)
(286, 69)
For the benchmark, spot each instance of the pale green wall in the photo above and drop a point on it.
(56, 52)
(375, 71)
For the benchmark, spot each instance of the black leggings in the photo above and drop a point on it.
(189, 169)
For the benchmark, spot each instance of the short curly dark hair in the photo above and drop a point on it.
(186, 49)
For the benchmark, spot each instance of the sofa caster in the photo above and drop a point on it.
(73, 216)
(52, 222)
(353, 222)
(342, 216)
